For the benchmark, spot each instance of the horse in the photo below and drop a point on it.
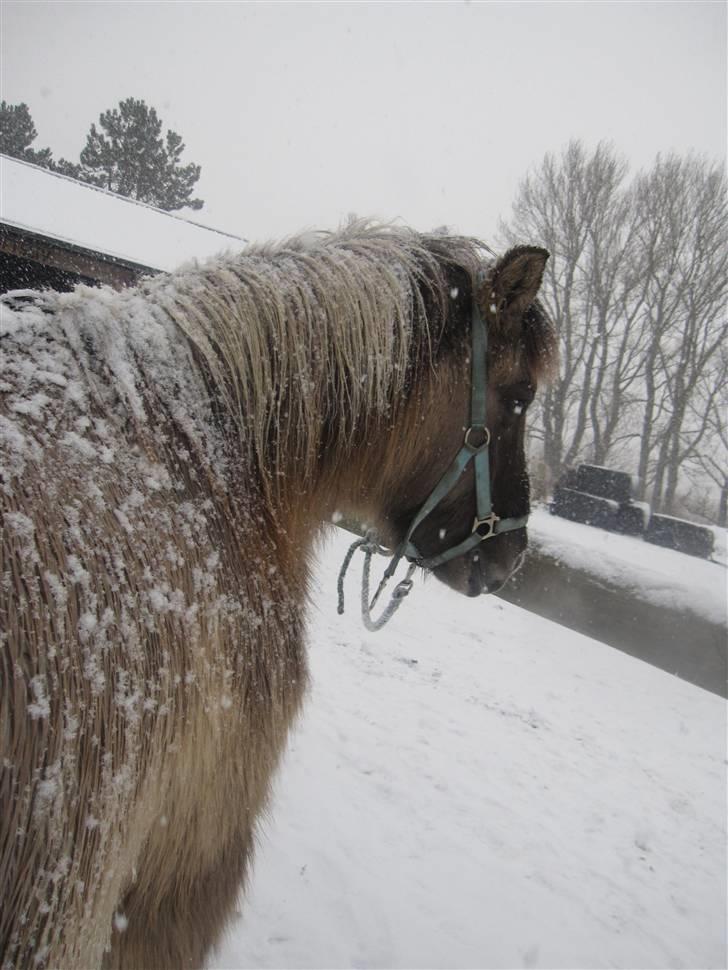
(169, 455)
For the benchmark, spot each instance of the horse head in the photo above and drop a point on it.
(461, 512)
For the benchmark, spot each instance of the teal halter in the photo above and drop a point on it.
(486, 524)
(474, 448)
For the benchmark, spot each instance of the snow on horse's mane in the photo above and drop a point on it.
(323, 323)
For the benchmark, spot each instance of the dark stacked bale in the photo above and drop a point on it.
(632, 519)
(580, 507)
(601, 497)
(568, 478)
(679, 534)
(604, 482)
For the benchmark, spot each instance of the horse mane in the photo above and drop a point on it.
(309, 343)
(305, 347)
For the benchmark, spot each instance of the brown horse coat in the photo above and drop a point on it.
(167, 455)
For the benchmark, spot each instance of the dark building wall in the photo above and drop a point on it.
(31, 261)
(19, 273)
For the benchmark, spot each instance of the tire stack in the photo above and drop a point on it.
(602, 497)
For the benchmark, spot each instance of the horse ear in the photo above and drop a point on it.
(514, 282)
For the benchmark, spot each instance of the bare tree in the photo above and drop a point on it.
(710, 457)
(638, 286)
(680, 254)
(574, 205)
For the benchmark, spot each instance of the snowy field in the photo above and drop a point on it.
(478, 787)
(660, 576)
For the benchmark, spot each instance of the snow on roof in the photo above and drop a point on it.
(37, 200)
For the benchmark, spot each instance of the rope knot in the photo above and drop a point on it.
(369, 546)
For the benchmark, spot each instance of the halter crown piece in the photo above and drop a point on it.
(486, 525)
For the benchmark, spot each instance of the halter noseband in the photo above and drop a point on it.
(474, 448)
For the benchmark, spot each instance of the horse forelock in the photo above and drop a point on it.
(531, 354)
(540, 343)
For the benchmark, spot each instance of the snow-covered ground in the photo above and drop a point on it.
(660, 576)
(478, 787)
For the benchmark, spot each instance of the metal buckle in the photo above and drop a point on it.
(475, 448)
(402, 589)
(488, 522)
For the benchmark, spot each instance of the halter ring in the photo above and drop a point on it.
(475, 448)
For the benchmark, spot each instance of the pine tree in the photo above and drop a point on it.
(17, 131)
(129, 156)
(72, 169)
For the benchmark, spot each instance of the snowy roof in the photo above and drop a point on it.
(42, 202)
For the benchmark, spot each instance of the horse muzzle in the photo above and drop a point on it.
(486, 569)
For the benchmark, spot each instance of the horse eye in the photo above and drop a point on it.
(516, 398)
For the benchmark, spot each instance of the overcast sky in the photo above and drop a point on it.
(302, 113)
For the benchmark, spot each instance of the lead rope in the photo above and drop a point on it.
(369, 545)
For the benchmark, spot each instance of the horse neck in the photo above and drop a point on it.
(310, 371)
(399, 460)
